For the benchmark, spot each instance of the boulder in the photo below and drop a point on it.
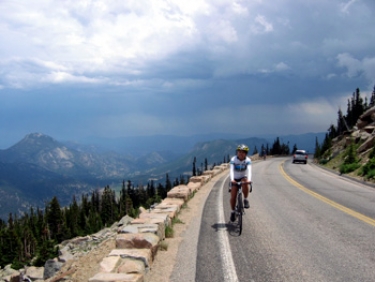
(8, 271)
(369, 129)
(368, 144)
(125, 220)
(35, 273)
(51, 267)
(368, 115)
(65, 254)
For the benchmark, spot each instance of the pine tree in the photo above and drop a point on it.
(168, 184)
(108, 210)
(317, 152)
(372, 99)
(54, 219)
(295, 148)
(194, 170)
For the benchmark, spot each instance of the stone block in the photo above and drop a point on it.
(172, 201)
(172, 211)
(210, 173)
(138, 241)
(181, 192)
(155, 216)
(129, 265)
(109, 263)
(203, 179)
(157, 229)
(165, 205)
(142, 255)
(194, 186)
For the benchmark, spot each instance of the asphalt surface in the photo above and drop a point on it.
(304, 224)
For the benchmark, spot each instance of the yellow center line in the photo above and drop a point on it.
(326, 200)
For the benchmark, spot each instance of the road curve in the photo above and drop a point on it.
(304, 224)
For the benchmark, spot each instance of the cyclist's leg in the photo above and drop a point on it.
(245, 187)
(233, 195)
(245, 190)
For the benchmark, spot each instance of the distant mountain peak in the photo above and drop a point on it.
(37, 135)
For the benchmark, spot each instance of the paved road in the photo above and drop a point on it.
(304, 224)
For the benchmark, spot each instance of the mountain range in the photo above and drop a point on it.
(39, 167)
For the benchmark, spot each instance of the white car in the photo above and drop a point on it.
(300, 156)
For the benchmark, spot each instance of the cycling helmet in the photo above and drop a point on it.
(243, 147)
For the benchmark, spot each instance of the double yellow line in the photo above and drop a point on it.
(326, 200)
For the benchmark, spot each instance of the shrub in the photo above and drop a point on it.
(368, 170)
(163, 246)
(347, 168)
(169, 233)
(177, 220)
(350, 156)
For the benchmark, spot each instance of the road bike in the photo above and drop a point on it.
(239, 209)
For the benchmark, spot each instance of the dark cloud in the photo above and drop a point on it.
(115, 69)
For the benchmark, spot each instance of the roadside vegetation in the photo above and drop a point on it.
(339, 149)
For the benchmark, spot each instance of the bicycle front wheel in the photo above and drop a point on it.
(239, 212)
(240, 223)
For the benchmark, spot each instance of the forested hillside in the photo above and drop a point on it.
(348, 146)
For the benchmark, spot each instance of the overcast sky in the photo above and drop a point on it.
(73, 69)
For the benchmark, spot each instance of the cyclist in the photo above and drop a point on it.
(240, 171)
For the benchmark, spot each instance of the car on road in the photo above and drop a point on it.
(300, 156)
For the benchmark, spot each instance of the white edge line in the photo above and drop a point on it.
(229, 268)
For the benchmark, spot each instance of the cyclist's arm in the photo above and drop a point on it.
(231, 172)
(249, 173)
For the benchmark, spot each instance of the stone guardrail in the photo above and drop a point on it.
(137, 243)
(137, 240)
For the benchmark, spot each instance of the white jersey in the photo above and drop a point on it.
(240, 169)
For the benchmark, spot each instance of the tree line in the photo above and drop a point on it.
(278, 148)
(31, 239)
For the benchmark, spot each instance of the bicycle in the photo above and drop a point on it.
(239, 209)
